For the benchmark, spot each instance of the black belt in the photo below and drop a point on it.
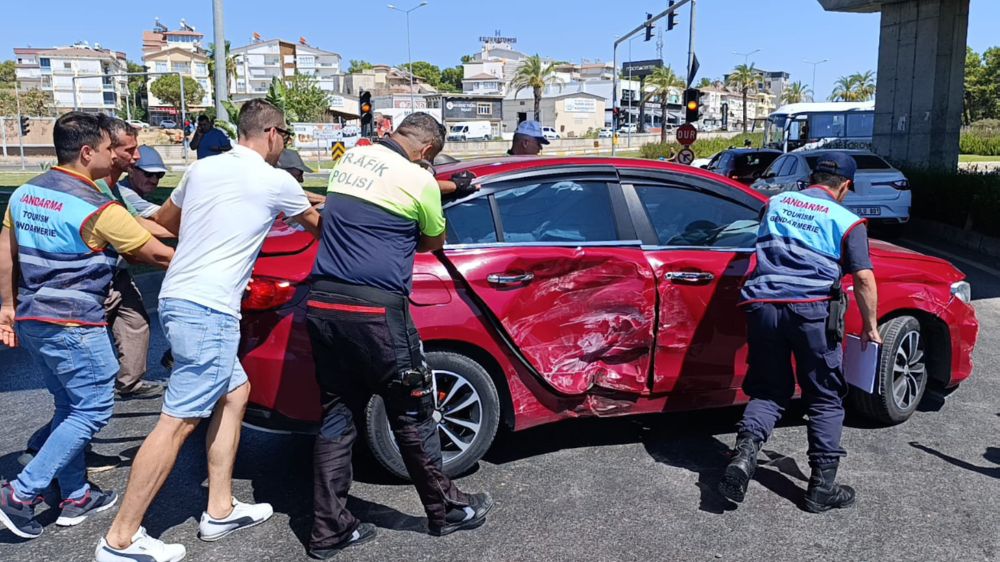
(370, 294)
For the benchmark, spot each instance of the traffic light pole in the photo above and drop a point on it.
(691, 48)
(640, 29)
(20, 137)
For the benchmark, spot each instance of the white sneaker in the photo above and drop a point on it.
(244, 515)
(144, 548)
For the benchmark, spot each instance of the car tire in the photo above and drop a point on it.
(902, 374)
(478, 406)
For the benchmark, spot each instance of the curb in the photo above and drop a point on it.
(987, 246)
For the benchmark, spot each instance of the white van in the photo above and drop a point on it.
(470, 131)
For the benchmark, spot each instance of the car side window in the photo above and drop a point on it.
(470, 222)
(683, 216)
(556, 211)
(775, 167)
(793, 165)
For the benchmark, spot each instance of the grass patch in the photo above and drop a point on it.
(977, 158)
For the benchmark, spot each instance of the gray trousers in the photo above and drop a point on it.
(129, 324)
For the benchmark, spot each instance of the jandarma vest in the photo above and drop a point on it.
(799, 248)
(62, 280)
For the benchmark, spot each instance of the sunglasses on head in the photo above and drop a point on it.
(157, 175)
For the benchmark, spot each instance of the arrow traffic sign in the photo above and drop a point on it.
(685, 156)
(337, 151)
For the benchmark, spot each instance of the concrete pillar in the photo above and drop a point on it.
(921, 72)
(921, 69)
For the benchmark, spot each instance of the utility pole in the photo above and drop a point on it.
(221, 82)
(409, 57)
(815, 64)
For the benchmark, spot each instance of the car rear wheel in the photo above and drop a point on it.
(466, 408)
(902, 374)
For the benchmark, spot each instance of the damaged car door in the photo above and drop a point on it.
(552, 258)
(699, 237)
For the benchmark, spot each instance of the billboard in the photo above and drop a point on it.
(323, 135)
(580, 105)
(640, 68)
(472, 109)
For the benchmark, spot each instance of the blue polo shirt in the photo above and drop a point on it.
(214, 142)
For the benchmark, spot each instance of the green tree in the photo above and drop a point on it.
(796, 92)
(305, 100)
(8, 72)
(425, 71)
(744, 79)
(168, 89)
(705, 82)
(136, 93)
(230, 63)
(451, 79)
(359, 66)
(33, 102)
(991, 83)
(660, 84)
(534, 73)
(859, 86)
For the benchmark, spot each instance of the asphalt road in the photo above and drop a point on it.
(628, 489)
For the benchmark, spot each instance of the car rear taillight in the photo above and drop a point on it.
(903, 184)
(267, 294)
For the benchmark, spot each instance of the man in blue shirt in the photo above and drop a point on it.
(208, 140)
(805, 244)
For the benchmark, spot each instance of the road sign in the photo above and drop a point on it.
(337, 150)
(685, 156)
(686, 134)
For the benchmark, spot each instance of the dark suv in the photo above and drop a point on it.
(742, 164)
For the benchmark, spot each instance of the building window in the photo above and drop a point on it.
(161, 66)
(307, 60)
(200, 69)
(484, 108)
(45, 63)
(67, 65)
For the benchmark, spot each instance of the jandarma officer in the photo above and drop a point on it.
(805, 243)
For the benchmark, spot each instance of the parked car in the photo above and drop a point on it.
(574, 287)
(168, 124)
(627, 128)
(470, 130)
(881, 193)
(138, 124)
(742, 164)
(550, 133)
(605, 133)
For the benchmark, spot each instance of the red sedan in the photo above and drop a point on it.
(590, 287)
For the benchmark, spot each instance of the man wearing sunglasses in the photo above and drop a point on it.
(142, 180)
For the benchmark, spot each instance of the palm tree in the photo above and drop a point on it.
(534, 73)
(856, 87)
(744, 79)
(796, 92)
(230, 63)
(660, 83)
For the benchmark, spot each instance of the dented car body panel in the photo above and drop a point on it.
(569, 329)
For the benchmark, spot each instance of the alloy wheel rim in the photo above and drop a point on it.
(908, 370)
(458, 411)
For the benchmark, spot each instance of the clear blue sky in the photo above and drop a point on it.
(785, 31)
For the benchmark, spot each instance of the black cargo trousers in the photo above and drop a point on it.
(364, 343)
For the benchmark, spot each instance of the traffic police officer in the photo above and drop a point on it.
(381, 209)
(805, 243)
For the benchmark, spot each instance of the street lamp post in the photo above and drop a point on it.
(815, 64)
(409, 57)
(746, 56)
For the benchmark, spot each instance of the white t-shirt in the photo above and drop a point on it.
(228, 203)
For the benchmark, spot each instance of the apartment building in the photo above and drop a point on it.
(179, 50)
(261, 61)
(384, 80)
(64, 71)
(491, 69)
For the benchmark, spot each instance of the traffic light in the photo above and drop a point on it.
(615, 115)
(671, 17)
(365, 113)
(649, 26)
(692, 105)
(25, 126)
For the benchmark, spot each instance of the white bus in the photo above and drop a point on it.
(821, 125)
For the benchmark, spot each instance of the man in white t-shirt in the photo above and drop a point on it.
(222, 211)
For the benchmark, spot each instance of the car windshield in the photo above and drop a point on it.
(753, 161)
(458, 129)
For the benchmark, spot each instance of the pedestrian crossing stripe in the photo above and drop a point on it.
(337, 151)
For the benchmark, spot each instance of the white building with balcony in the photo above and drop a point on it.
(180, 51)
(66, 72)
(261, 61)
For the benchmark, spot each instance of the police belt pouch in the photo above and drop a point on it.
(838, 311)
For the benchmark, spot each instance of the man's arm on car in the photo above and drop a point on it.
(866, 293)
(311, 220)
(431, 243)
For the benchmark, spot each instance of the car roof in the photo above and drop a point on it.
(756, 150)
(489, 167)
(844, 150)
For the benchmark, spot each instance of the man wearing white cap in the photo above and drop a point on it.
(528, 139)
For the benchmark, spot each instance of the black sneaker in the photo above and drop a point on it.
(94, 501)
(364, 533)
(462, 518)
(140, 391)
(18, 516)
(98, 463)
